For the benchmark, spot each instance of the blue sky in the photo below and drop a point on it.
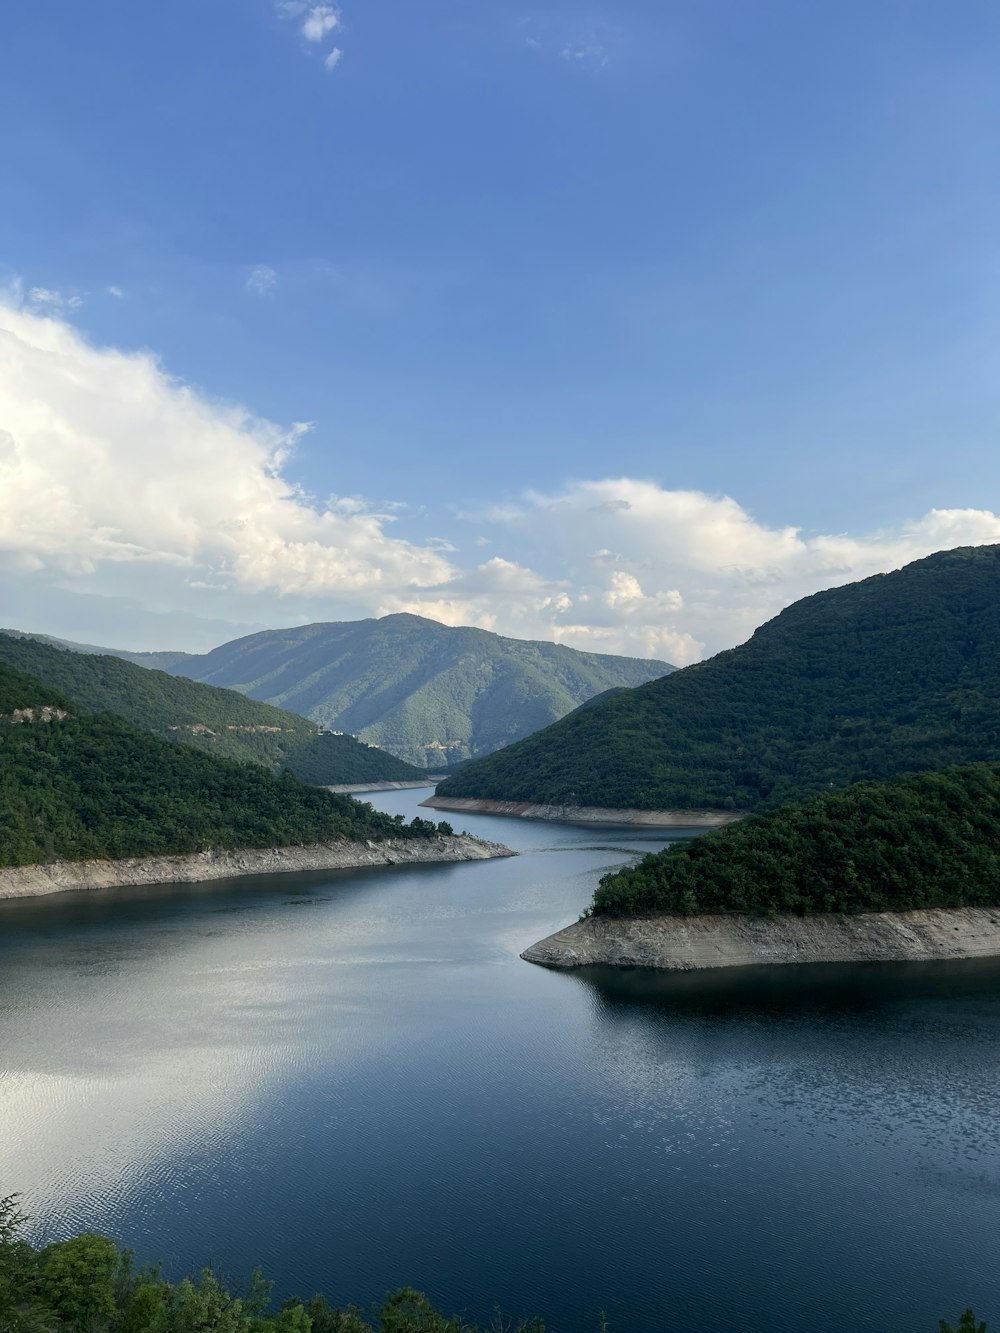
(513, 264)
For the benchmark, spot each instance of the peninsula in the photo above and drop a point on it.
(906, 869)
(90, 801)
(35, 881)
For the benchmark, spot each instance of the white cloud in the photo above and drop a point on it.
(44, 298)
(683, 573)
(132, 500)
(315, 23)
(585, 51)
(262, 280)
(588, 47)
(118, 479)
(320, 20)
(116, 292)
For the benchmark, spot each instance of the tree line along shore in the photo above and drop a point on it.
(87, 1284)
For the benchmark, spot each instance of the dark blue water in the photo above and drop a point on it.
(352, 1080)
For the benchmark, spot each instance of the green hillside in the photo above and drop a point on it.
(431, 694)
(914, 841)
(163, 661)
(221, 722)
(76, 787)
(897, 673)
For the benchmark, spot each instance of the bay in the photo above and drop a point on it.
(352, 1080)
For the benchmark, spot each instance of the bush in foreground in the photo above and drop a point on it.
(88, 1285)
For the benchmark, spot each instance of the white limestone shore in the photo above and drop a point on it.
(582, 814)
(688, 943)
(67, 876)
(352, 788)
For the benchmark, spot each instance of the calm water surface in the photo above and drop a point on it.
(353, 1080)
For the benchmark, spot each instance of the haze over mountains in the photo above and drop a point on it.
(897, 673)
(429, 693)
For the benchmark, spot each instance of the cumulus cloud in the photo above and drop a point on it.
(130, 499)
(261, 280)
(114, 475)
(320, 20)
(681, 573)
(315, 23)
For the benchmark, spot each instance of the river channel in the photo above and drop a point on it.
(352, 1079)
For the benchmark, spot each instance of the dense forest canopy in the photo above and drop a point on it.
(915, 841)
(898, 673)
(433, 694)
(221, 722)
(77, 787)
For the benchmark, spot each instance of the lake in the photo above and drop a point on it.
(351, 1079)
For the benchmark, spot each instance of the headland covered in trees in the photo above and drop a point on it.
(897, 673)
(77, 789)
(908, 868)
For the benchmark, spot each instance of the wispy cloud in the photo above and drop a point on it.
(116, 292)
(261, 281)
(44, 298)
(586, 51)
(588, 46)
(315, 23)
(320, 20)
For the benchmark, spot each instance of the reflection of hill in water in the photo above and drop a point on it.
(776, 991)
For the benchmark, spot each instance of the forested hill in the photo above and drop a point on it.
(897, 673)
(220, 722)
(429, 693)
(75, 788)
(915, 841)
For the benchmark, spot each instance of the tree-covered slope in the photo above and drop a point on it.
(78, 787)
(429, 693)
(220, 722)
(914, 841)
(897, 673)
(162, 661)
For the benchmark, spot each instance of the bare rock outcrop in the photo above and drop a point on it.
(582, 814)
(686, 943)
(63, 876)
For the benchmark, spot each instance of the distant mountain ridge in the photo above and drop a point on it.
(157, 661)
(220, 722)
(429, 693)
(897, 673)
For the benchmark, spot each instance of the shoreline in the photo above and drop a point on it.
(37, 881)
(350, 788)
(582, 814)
(693, 943)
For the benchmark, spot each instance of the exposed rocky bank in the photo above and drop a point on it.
(582, 814)
(687, 943)
(64, 876)
(352, 788)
